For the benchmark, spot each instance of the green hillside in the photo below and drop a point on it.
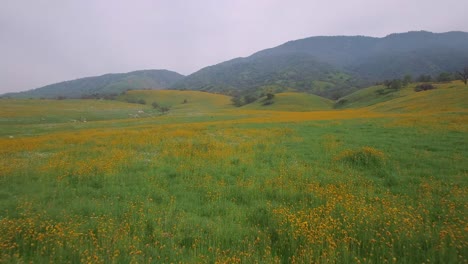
(329, 66)
(301, 72)
(44, 112)
(103, 86)
(291, 101)
(334, 66)
(445, 96)
(179, 100)
(366, 97)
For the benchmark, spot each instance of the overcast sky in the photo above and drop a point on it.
(48, 41)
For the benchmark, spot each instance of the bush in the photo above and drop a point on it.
(424, 87)
(236, 101)
(164, 109)
(269, 99)
(366, 156)
(249, 99)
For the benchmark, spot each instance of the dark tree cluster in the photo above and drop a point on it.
(160, 108)
(395, 84)
(424, 87)
(269, 99)
(239, 100)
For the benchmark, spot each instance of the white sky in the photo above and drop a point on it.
(48, 41)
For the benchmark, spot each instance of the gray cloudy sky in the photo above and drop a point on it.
(48, 41)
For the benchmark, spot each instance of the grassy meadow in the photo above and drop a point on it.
(210, 183)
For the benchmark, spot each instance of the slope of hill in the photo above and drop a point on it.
(189, 101)
(445, 98)
(46, 112)
(450, 96)
(366, 97)
(104, 85)
(291, 101)
(340, 63)
(279, 72)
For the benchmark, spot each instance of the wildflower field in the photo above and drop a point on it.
(385, 183)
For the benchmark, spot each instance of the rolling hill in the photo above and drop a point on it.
(448, 96)
(291, 101)
(188, 101)
(334, 66)
(331, 67)
(103, 85)
(276, 72)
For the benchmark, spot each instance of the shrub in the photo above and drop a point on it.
(424, 87)
(365, 156)
(164, 109)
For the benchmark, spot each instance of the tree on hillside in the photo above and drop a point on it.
(236, 101)
(155, 105)
(269, 99)
(407, 79)
(424, 78)
(387, 83)
(164, 109)
(464, 75)
(249, 99)
(444, 77)
(396, 84)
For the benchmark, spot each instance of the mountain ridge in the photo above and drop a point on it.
(106, 84)
(364, 60)
(329, 66)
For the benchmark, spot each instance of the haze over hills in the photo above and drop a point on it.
(107, 84)
(336, 65)
(331, 66)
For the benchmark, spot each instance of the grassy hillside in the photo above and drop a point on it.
(301, 72)
(34, 111)
(445, 97)
(334, 66)
(366, 97)
(291, 101)
(105, 85)
(179, 100)
(385, 183)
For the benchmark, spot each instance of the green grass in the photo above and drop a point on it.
(446, 97)
(183, 101)
(237, 184)
(35, 111)
(292, 101)
(367, 97)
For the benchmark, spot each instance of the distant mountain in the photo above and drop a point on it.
(269, 73)
(327, 66)
(104, 85)
(336, 65)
